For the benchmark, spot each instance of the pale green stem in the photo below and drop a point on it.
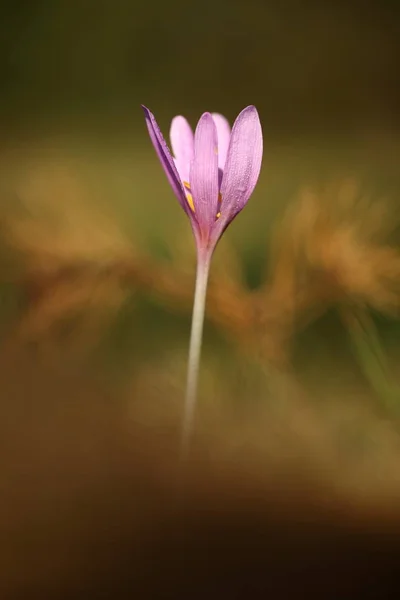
(196, 336)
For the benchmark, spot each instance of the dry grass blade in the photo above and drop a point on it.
(346, 241)
(331, 248)
(57, 224)
(65, 247)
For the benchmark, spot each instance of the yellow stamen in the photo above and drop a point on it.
(190, 201)
(218, 215)
(189, 196)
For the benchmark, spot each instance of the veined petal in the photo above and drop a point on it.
(224, 134)
(182, 143)
(243, 163)
(166, 159)
(204, 173)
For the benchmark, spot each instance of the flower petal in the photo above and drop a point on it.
(204, 173)
(224, 135)
(166, 159)
(182, 143)
(243, 163)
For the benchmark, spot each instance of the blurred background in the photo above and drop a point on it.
(299, 385)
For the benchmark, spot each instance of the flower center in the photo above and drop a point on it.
(189, 198)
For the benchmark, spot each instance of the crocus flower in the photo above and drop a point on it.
(212, 173)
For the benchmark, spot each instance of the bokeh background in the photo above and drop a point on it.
(300, 360)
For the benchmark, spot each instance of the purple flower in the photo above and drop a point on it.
(213, 172)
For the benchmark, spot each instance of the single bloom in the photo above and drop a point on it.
(213, 172)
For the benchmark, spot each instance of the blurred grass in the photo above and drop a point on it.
(102, 203)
